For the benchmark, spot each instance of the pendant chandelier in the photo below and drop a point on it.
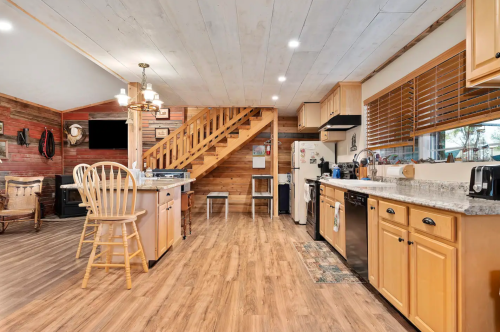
(151, 103)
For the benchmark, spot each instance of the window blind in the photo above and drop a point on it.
(443, 102)
(390, 118)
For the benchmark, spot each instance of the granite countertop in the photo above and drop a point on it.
(149, 184)
(455, 201)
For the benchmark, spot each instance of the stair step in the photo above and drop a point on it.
(197, 162)
(210, 154)
(244, 127)
(255, 118)
(221, 145)
(233, 136)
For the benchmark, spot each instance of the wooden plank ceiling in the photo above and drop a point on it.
(231, 52)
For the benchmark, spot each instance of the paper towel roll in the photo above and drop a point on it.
(395, 172)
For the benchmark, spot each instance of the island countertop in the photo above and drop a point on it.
(148, 184)
(440, 199)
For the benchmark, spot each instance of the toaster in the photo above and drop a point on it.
(485, 182)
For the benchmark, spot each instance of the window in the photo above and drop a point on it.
(479, 142)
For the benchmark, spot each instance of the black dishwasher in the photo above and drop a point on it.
(356, 232)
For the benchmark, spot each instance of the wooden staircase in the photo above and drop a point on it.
(208, 138)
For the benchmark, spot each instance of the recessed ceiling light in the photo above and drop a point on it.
(275, 98)
(293, 43)
(5, 26)
(282, 78)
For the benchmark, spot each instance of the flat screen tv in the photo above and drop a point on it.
(108, 134)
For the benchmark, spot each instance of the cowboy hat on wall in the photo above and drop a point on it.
(75, 134)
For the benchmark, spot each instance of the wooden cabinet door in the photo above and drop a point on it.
(171, 223)
(433, 285)
(324, 112)
(373, 242)
(339, 237)
(329, 221)
(393, 266)
(483, 38)
(162, 230)
(322, 216)
(329, 100)
(336, 102)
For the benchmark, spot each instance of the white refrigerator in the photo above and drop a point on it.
(305, 159)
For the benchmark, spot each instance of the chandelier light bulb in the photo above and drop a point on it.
(122, 98)
(157, 101)
(149, 94)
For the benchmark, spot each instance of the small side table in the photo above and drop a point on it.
(216, 195)
(187, 202)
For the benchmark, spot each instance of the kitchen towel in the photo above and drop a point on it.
(336, 218)
(307, 197)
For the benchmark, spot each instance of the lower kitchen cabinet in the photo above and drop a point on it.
(393, 266)
(339, 237)
(322, 216)
(433, 284)
(373, 242)
(162, 230)
(330, 213)
(170, 222)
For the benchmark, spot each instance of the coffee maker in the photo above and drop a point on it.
(485, 182)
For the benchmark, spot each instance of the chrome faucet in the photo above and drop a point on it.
(373, 170)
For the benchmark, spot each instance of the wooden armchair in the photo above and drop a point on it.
(21, 201)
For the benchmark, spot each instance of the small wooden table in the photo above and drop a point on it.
(210, 196)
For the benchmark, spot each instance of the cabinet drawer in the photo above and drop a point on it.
(440, 225)
(330, 192)
(339, 196)
(322, 190)
(165, 196)
(393, 212)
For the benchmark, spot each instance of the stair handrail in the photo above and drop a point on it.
(175, 133)
(242, 116)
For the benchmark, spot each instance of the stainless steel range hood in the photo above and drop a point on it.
(341, 123)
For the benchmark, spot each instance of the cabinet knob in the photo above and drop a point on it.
(410, 243)
(372, 208)
(390, 211)
(497, 55)
(428, 221)
(401, 239)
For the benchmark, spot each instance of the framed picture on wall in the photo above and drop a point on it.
(1, 127)
(161, 132)
(258, 150)
(4, 149)
(163, 113)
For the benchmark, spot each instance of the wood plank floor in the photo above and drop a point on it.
(237, 275)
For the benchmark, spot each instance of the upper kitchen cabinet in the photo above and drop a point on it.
(343, 99)
(483, 43)
(309, 117)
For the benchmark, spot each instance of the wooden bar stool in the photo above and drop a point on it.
(187, 202)
(215, 195)
(108, 205)
(78, 172)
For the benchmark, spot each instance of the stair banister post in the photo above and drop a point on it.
(275, 162)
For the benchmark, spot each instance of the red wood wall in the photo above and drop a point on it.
(26, 161)
(74, 155)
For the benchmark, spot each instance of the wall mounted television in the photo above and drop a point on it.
(108, 134)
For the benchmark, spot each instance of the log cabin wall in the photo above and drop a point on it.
(235, 174)
(74, 155)
(26, 161)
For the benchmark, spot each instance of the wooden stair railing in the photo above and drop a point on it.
(194, 137)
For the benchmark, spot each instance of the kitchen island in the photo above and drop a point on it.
(160, 226)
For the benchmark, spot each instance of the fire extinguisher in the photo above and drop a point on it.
(268, 149)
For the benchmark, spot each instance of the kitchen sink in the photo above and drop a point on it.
(360, 183)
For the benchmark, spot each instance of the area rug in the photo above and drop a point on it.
(323, 265)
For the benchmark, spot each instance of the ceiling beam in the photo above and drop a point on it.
(417, 39)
